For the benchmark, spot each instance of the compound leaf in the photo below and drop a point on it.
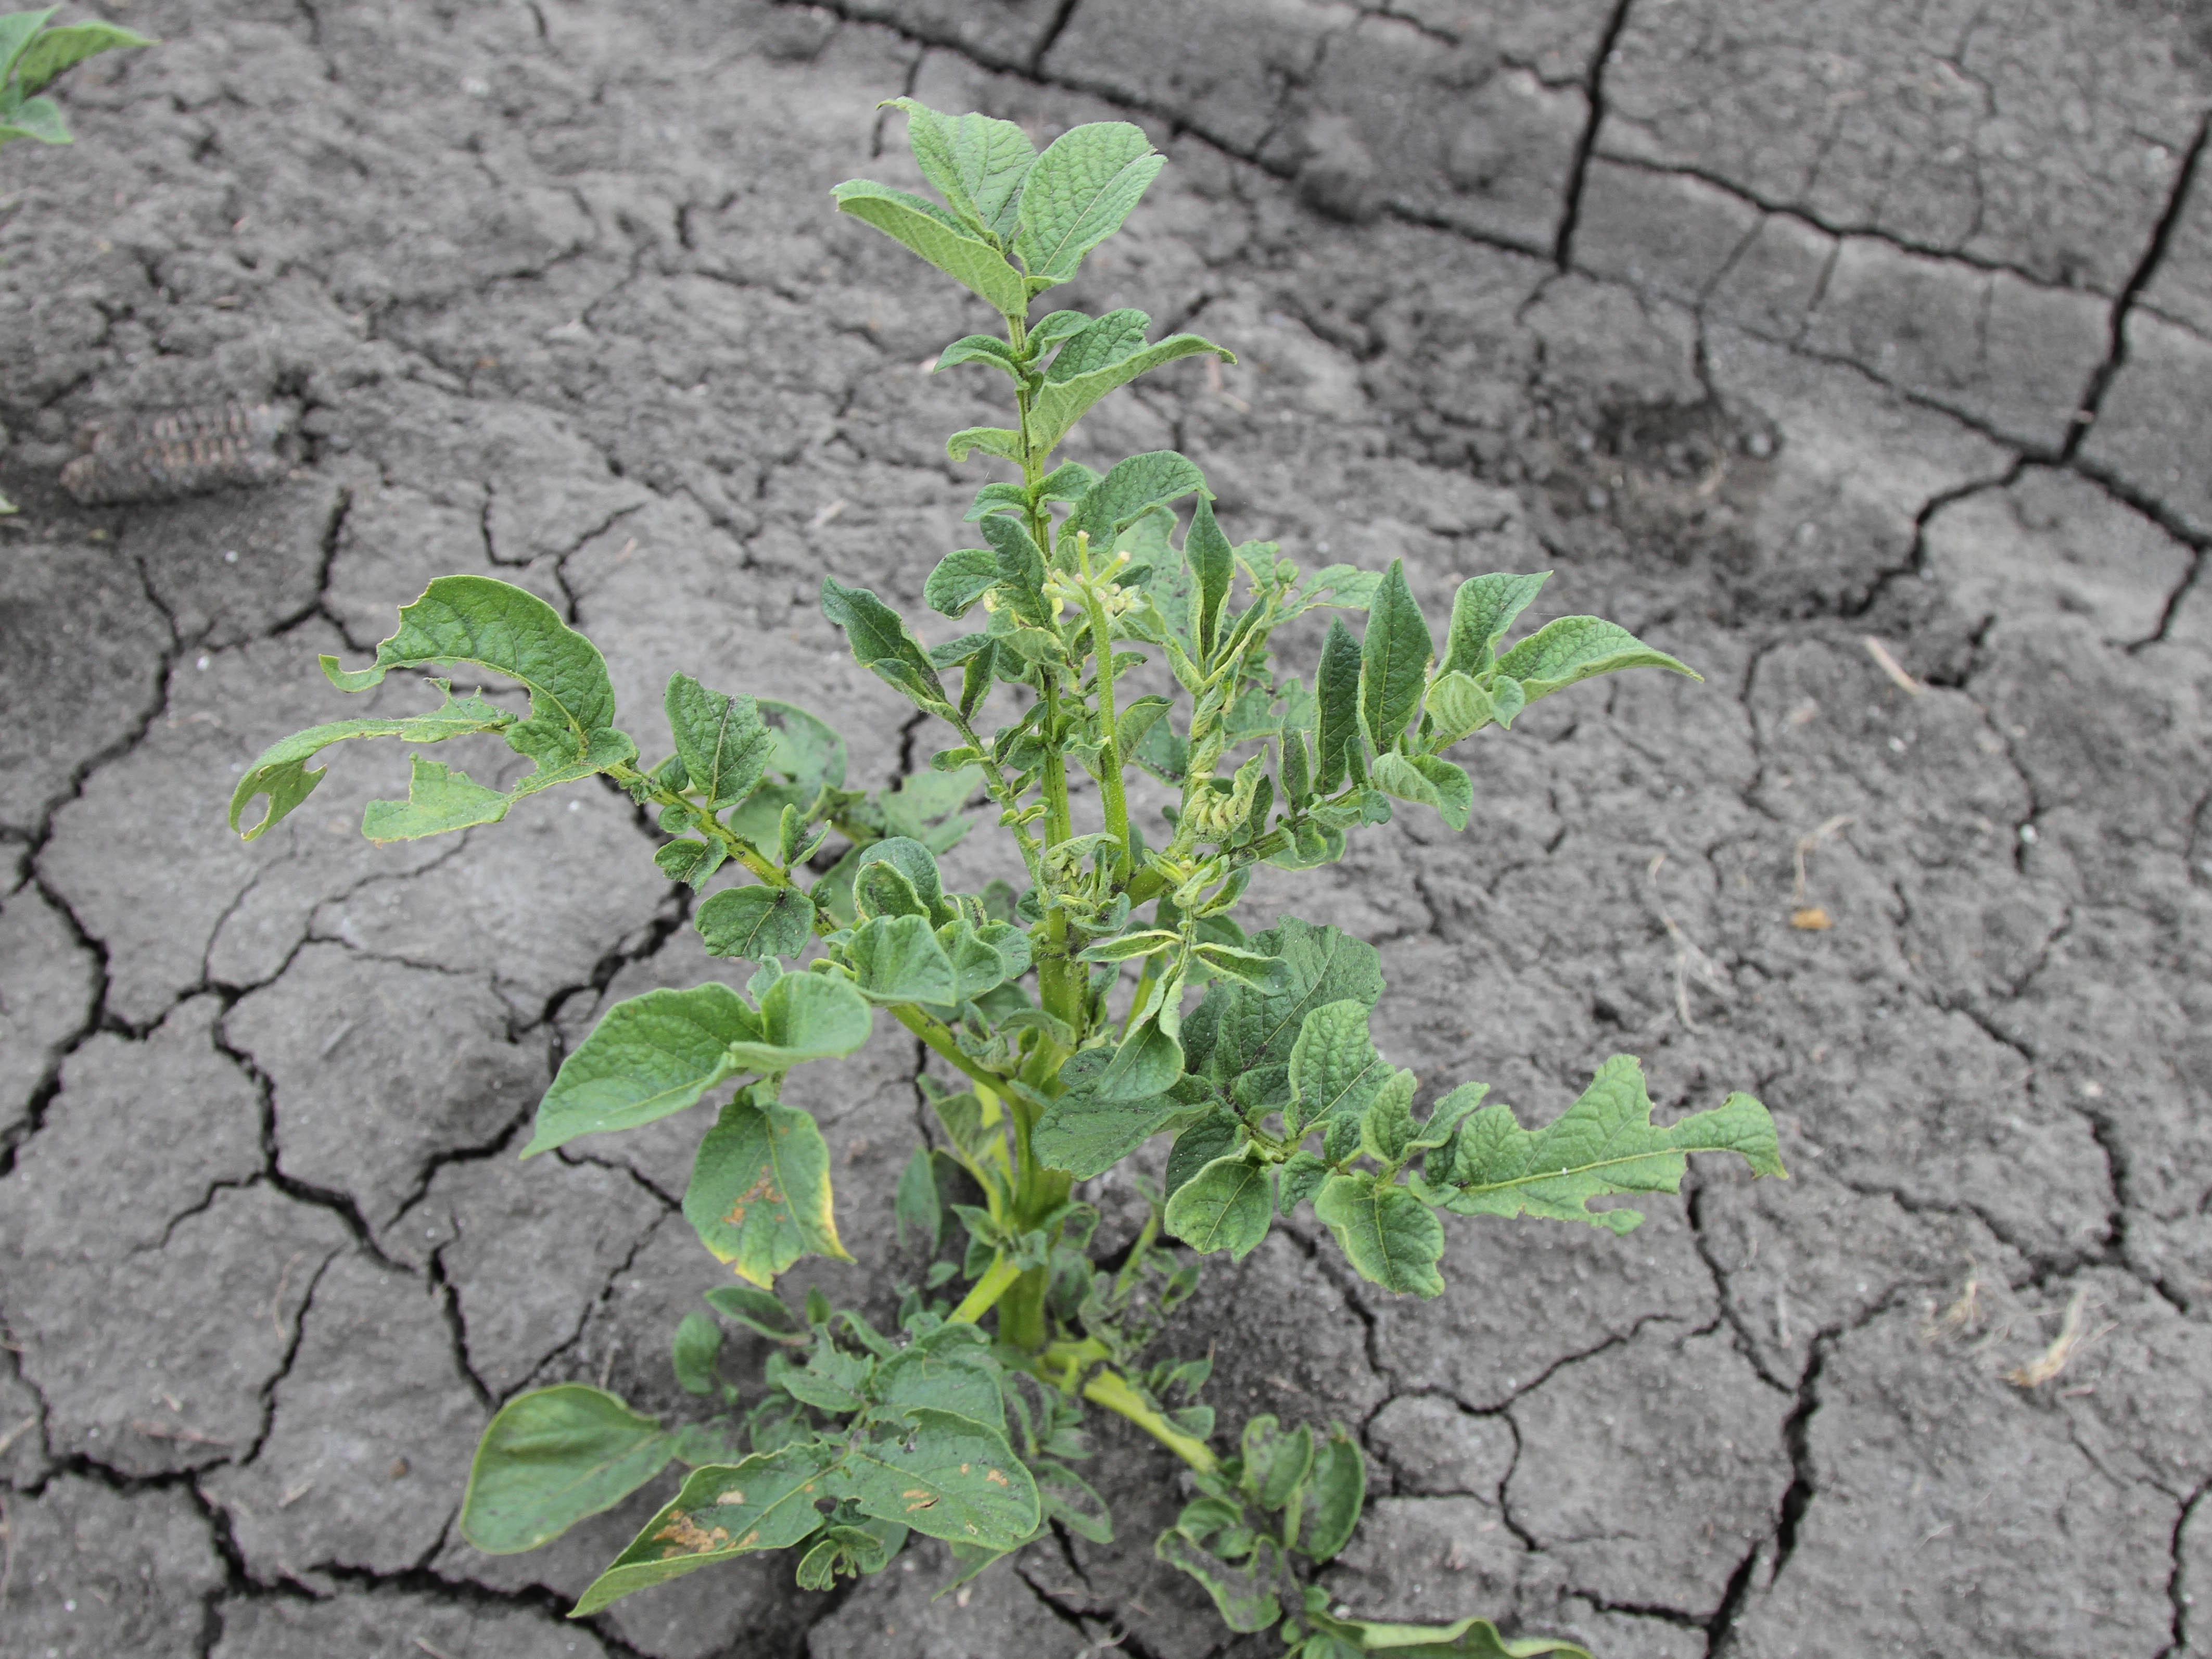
(551, 1457)
(922, 227)
(648, 1056)
(1388, 1235)
(759, 1197)
(721, 741)
(1226, 1206)
(1393, 657)
(765, 1502)
(1482, 610)
(282, 773)
(1570, 649)
(1087, 181)
(755, 923)
(1603, 1144)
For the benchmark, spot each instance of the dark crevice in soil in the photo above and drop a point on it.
(1593, 90)
(424, 1581)
(1050, 38)
(2154, 255)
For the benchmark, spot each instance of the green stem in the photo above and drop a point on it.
(1022, 1321)
(941, 1043)
(1111, 1389)
(1110, 745)
(997, 1279)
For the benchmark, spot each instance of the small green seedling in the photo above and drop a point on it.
(1103, 1000)
(32, 53)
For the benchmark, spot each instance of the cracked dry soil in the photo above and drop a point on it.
(1773, 328)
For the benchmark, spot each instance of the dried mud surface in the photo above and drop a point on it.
(1774, 329)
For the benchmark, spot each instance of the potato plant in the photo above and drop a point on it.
(1101, 997)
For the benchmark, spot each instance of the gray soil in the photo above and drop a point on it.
(1782, 333)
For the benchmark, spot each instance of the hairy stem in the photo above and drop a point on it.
(1111, 1389)
(1110, 746)
(997, 1279)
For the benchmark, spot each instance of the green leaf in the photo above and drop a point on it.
(913, 861)
(1388, 1235)
(1100, 342)
(1323, 965)
(759, 1197)
(282, 773)
(1147, 1061)
(1334, 1067)
(1087, 1136)
(976, 163)
(697, 1346)
(1604, 1143)
(898, 959)
(53, 51)
(1226, 1206)
(1136, 721)
(16, 28)
(1212, 564)
(1070, 1499)
(724, 746)
(847, 1552)
(1002, 441)
(952, 1479)
(552, 1456)
(983, 958)
(648, 1056)
(1336, 685)
(1071, 388)
(1570, 649)
(723, 1510)
(955, 1377)
(475, 619)
(1276, 1463)
(438, 800)
(1338, 1493)
(1454, 789)
(1244, 1596)
(755, 923)
(882, 642)
(760, 1310)
(1458, 707)
(960, 579)
(1248, 968)
(1300, 1178)
(690, 861)
(1393, 657)
(1148, 943)
(1387, 1126)
(805, 1016)
(35, 118)
(1213, 1136)
(922, 227)
(980, 348)
(1088, 180)
(1482, 610)
(917, 1203)
(1130, 490)
(1345, 586)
